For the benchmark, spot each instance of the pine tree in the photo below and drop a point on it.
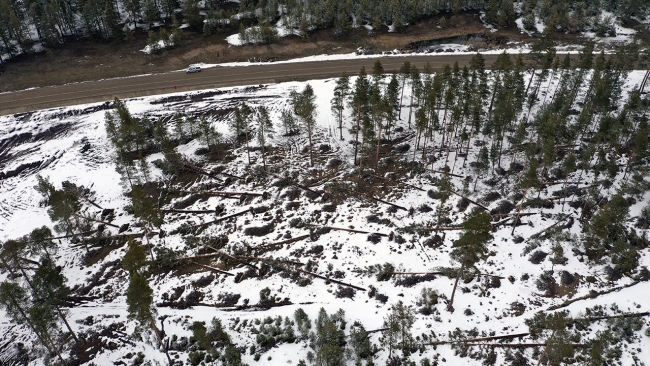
(191, 14)
(471, 247)
(359, 100)
(151, 13)
(341, 91)
(304, 106)
(398, 324)
(264, 130)
(112, 19)
(359, 342)
(177, 37)
(14, 300)
(139, 295)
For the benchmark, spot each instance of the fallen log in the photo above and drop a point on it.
(448, 173)
(519, 345)
(331, 280)
(493, 338)
(348, 230)
(620, 316)
(394, 181)
(376, 330)
(172, 210)
(219, 193)
(210, 268)
(538, 234)
(276, 260)
(514, 214)
(95, 220)
(592, 295)
(417, 273)
(377, 199)
(440, 228)
(233, 258)
(471, 201)
(287, 241)
(209, 174)
(297, 184)
(210, 255)
(222, 218)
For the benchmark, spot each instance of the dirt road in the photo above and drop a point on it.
(103, 90)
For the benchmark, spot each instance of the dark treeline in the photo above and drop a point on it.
(51, 22)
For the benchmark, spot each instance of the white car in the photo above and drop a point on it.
(192, 69)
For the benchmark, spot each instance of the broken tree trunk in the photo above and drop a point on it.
(331, 280)
(210, 268)
(287, 241)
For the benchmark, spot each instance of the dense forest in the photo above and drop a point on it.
(566, 134)
(50, 23)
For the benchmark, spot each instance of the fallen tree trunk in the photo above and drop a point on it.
(210, 268)
(537, 235)
(514, 214)
(520, 345)
(471, 201)
(509, 336)
(394, 181)
(331, 280)
(95, 220)
(620, 316)
(219, 193)
(377, 199)
(276, 260)
(442, 172)
(417, 273)
(233, 258)
(440, 228)
(209, 174)
(298, 185)
(287, 241)
(222, 218)
(348, 230)
(591, 295)
(172, 210)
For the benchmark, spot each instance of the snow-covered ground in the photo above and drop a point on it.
(71, 144)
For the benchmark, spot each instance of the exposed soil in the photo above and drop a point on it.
(85, 60)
